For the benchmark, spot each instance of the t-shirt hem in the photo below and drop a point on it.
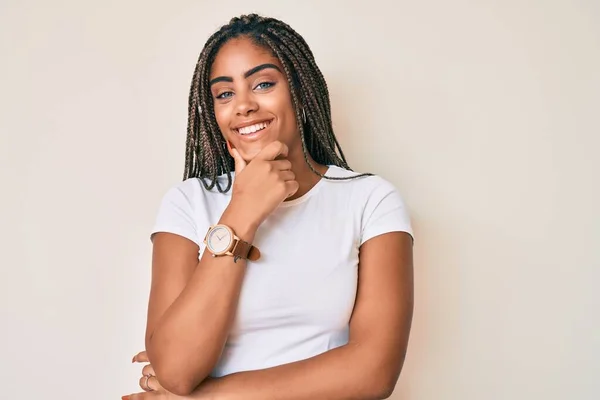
(374, 234)
(177, 231)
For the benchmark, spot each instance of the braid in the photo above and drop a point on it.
(206, 155)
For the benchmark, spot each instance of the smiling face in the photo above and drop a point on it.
(252, 100)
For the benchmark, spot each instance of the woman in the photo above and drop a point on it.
(277, 272)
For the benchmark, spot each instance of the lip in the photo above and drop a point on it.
(252, 122)
(256, 135)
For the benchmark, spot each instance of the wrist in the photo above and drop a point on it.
(242, 226)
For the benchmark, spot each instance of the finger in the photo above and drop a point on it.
(136, 396)
(143, 396)
(291, 187)
(281, 165)
(272, 151)
(149, 384)
(287, 175)
(240, 163)
(155, 384)
(148, 370)
(229, 148)
(142, 356)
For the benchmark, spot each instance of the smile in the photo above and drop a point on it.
(250, 129)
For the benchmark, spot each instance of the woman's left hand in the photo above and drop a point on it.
(152, 389)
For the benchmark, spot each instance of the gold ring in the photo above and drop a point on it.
(148, 388)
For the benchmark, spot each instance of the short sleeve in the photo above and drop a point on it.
(384, 212)
(176, 215)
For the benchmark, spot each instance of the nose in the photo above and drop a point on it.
(245, 104)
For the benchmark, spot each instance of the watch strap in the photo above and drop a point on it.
(245, 250)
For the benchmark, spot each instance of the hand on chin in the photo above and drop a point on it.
(248, 154)
(249, 150)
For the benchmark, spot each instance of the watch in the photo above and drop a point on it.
(220, 240)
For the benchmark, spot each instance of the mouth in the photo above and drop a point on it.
(252, 129)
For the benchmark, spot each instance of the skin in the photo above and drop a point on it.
(264, 95)
(368, 366)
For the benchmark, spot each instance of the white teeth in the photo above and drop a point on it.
(252, 128)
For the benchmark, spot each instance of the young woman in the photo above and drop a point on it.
(277, 272)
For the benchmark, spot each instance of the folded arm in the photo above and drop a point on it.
(191, 308)
(369, 365)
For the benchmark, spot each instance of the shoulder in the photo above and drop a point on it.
(188, 187)
(193, 189)
(187, 208)
(376, 201)
(183, 194)
(366, 185)
(191, 198)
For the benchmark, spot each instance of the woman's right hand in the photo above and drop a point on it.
(261, 185)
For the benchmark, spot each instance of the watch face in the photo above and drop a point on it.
(219, 240)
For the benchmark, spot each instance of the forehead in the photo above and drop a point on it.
(240, 55)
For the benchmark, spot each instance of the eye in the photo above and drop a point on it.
(224, 95)
(264, 85)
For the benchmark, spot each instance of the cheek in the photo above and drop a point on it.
(282, 106)
(290, 120)
(222, 118)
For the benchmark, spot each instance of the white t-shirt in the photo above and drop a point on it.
(297, 299)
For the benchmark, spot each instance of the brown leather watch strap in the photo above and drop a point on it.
(245, 250)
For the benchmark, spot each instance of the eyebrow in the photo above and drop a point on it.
(247, 74)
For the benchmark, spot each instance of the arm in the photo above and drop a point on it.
(369, 365)
(191, 307)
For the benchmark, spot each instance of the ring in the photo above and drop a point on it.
(148, 388)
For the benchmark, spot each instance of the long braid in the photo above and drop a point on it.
(311, 104)
(299, 45)
(206, 153)
(318, 121)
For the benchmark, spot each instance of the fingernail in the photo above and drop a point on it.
(133, 359)
(125, 397)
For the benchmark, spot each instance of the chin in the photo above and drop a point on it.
(249, 154)
(250, 150)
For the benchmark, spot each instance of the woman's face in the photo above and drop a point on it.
(251, 96)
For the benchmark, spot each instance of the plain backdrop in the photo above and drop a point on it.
(484, 114)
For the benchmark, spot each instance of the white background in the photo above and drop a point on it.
(483, 113)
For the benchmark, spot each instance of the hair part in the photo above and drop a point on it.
(206, 155)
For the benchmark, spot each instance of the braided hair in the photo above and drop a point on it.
(206, 155)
